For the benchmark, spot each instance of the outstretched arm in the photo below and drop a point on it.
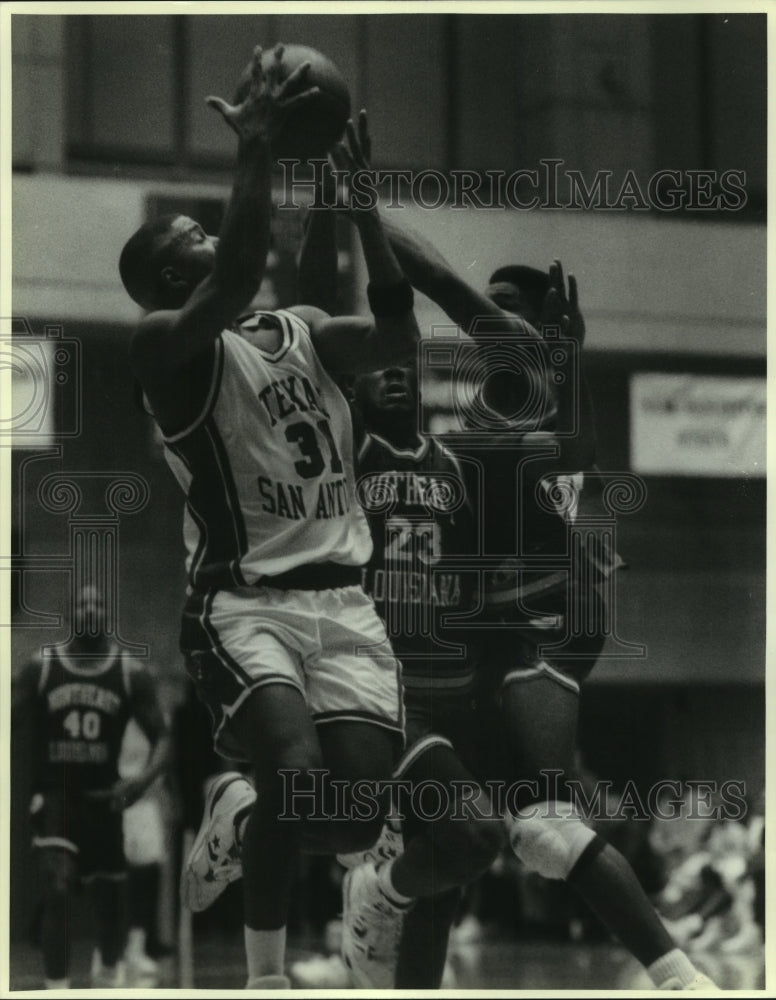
(354, 344)
(317, 275)
(431, 274)
(575, 408)
(168, 339)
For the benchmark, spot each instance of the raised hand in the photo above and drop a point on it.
(266, 105)
(364, 138)
(560, 309)
(353, 158)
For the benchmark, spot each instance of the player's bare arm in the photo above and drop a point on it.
(147, 712)
(168, 339)
(353, 343)
(430, 273)
(317, 271)
(575, 411)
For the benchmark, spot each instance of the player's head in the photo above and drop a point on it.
(89, 619)
(519, 289)
(164, 261)
(388, 397)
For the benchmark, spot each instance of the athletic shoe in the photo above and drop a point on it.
(107, 975)
(371, 929)
(142, 970)
(214, 860)
(269, 982)
(110, 977)
(320, 972)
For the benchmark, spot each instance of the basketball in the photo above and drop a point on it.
(314, 126)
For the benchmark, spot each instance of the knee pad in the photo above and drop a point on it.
(549, 838)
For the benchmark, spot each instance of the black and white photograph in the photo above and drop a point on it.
(383, 452)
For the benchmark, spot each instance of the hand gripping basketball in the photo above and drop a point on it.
(264, 110)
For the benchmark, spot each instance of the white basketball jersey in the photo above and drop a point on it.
(267, 467)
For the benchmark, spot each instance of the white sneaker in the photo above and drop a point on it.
(320, 972)
(142, 970)
(214, 860)
(371, 929)
(110, 977)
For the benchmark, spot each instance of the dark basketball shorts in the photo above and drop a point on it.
(560, 640)
(454, 722)
(87, 828)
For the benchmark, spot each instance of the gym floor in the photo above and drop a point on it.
(219, 964)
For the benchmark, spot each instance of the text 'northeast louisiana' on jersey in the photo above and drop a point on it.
(267, 467)
(419, 576)
(83, 709)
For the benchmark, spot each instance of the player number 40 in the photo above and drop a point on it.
(82, 725)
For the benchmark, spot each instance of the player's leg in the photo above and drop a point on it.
(104, 870)
(355, 697)
(274, 730)
(540, 711)
(452, 844)
(442, 855)
(145, 851)
(59, 877)
(111, 916)
(55, 840)
(424, 941)
(358, 758)
(450, 847)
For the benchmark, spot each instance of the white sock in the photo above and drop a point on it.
(386, 885)
(265, 951)
(58, 984)
(673, 963)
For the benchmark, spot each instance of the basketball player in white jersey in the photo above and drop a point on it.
(260, 439)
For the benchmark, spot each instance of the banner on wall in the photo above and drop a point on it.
(697, 425)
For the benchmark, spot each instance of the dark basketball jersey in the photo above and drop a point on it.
(83, 708)
(519, 504)
(421, 573)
